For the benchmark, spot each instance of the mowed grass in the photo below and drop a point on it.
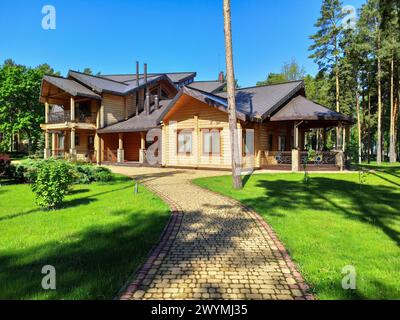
(95, 241)
(330, 223)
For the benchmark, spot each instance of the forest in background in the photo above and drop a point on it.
(359, 75)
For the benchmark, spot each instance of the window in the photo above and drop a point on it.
(211, 142)
(270, 142)
(184, 142)
(282, 143)
(247, 143)
(61, 139)
(77, 139)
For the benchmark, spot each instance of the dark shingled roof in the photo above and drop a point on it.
(72, 87)
(104, 85)
(300, 108)
(261, 101)
(176, 77)
(142, 122)
(207, 86)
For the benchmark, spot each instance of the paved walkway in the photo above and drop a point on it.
(213, 248)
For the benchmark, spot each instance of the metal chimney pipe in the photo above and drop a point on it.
(157, 102)
(137, 73)
(147, 96)
(145, 74)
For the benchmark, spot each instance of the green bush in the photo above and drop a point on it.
(103, 175)
(87, 173)
(5, 165)
(52, 182)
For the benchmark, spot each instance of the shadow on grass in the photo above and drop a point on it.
(93, 267)
(372, 204)
(89, 199)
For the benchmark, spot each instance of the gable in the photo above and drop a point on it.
(187, 107)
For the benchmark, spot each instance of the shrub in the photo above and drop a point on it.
(103, 174)
(5, 165)
(52, 182)
(87, 173)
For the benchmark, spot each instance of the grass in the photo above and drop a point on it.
(330, 223)
(95, 241)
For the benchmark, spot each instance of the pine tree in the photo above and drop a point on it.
(326, 47)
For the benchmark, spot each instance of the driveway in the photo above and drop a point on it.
(213, 247)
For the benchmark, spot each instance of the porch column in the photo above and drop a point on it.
(46, 111)
(47, 151)
(72, 150)
(120, 152)
(142, 150)
(72, 109)
(296, 149)
(53, 144)
(98, 149)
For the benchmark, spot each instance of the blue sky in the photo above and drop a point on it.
(170, 35)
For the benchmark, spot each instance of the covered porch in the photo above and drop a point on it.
(124, 148)
(71, 144)
(301, 126)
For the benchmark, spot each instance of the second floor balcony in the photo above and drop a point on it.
(65, 116)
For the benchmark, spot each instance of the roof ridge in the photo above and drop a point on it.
(152, 73)
(270, 85)
(98, 77)
(206, 81)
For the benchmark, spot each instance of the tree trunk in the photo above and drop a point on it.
(359, 127)
(379, 138)
(230, 77)
(392, 138)
(338, 131)
(369, 125)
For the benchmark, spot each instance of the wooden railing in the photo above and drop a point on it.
(321, 158)
(65, 116)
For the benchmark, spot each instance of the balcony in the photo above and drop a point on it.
(65, 116)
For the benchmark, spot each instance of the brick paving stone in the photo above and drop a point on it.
(213, 247)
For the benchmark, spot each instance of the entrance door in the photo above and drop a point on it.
(90, 148)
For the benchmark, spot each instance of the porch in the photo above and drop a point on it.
(124, 148)
(71, 144)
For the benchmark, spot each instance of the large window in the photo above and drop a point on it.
(185, 142)
(211, 142)
(282, 143)
(248, 142)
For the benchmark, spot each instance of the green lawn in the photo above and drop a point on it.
(99, 237)
(330, 223)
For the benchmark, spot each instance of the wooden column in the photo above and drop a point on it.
(72, 109)
(98, 148)
(46, 111)
(142, 150)
(296, 136)
(296, 149)
(72, 150)
(120, 152)
(53, 144)
(47, 151)
(101, 116)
